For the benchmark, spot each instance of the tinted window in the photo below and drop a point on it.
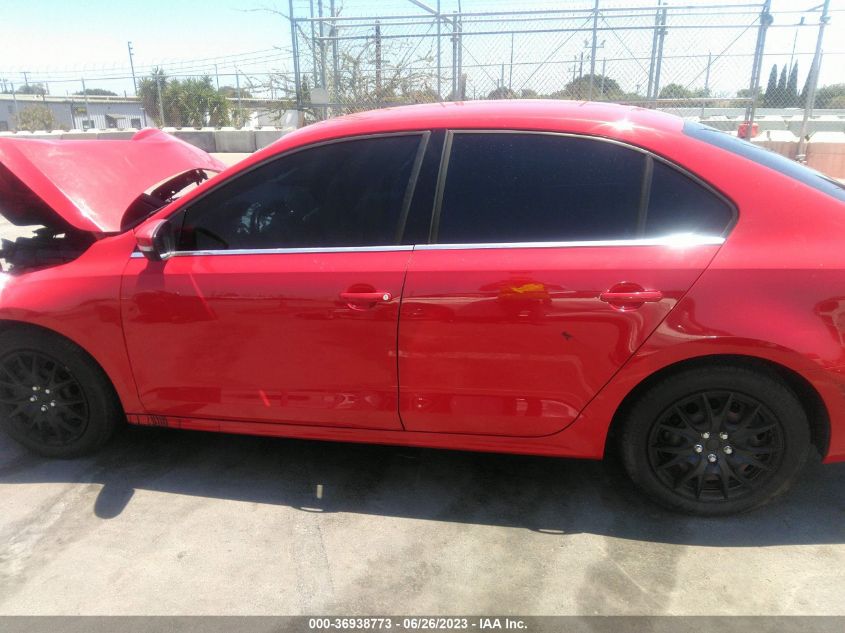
(516, 187)
(767, 158)
(349, 193)
(678, 204)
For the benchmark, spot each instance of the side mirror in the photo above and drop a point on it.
(156, 240)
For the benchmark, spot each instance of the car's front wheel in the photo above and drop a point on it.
(54, 399)
(716, 440)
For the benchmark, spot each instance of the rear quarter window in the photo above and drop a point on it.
(762, 156)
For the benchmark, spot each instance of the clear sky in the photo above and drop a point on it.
(57, 40)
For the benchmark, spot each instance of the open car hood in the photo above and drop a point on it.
(89, 184)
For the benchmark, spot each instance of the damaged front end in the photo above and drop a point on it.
(68, 194)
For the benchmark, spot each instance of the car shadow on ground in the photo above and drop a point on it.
(554, 496)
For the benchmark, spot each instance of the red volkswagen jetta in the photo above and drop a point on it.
(536, 277)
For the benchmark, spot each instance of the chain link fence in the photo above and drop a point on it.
(673, 58)
(696, 60)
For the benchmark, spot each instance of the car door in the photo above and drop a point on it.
(552, 258)
(281, 302)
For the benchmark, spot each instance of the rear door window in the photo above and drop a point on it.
(527, 187)
(521, 187)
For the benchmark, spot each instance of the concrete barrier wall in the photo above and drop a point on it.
(212, 140)
(825, 149)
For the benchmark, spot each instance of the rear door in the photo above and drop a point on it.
(552, 258)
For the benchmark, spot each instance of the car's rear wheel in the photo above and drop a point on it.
(716, 440)
(54, 399)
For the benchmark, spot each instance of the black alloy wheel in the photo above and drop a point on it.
(715, 439)
(54, 398)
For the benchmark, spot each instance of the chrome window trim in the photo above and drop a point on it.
(672, 241)
(290, 251)
(677, 241)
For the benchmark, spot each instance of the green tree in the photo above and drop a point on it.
(771, 87)
(675, 91)
(792, 86)
(35, 118)
(32, 89)
(151, 90)
(96, 92)
(502, 92)
(604, 89)
(832, 96)
(780, 97)
(187, 103)
(231, 92)
(195, 103)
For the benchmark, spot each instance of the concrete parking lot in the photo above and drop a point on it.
(167, 522)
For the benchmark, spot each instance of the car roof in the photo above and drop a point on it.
(582, 117)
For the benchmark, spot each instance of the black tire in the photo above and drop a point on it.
(715, 440)
(54, 398)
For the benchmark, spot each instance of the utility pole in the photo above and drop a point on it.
(813, 82)
(25, 80)
(593, 50)
(706, 80)
(217, 77)
(132, 66)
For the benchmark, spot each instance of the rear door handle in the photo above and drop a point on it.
(631, 296)
(365, 297)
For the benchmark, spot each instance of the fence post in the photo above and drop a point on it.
(461, 83)
(661, 36)
(706, 82)
(160, 102)
(238, 92)
(813, 82)
(335, 60)
(454, 55)
(510, 68)
(87, 113)
(15, 102)
(378, 60)
(765, 21)
(439, 57)
(650, 88)
(295, 51)
(593, 50)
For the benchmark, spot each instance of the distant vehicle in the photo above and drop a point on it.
(538, 277)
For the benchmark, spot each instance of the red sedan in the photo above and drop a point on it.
(538, 277)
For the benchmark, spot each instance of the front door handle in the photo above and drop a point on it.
(365, 297)
(631, 296)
